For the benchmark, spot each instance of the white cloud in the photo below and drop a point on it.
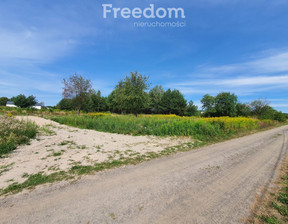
(263, 75)
(270, 64)
(32, 45)
(242, 81)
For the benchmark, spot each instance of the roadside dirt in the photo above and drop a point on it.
(215, 184)
(262, 203)
(60, 147)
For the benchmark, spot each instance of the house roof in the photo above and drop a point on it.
(39, 104)
(10, 102)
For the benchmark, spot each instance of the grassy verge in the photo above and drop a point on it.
(274, 210)
(14, 132)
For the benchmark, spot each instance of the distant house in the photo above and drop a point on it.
(10, 104)
(38, 106)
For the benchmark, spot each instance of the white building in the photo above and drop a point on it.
(38, 106)
(10, 104)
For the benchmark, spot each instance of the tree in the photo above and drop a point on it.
(31, 101)
(65, 104)
(208, 105)
(243, 109)
(112, 104)
(262, 110)
(3, 101)
(259, 107)
(129, 95)
(78, 89)
(23, 102)
(173, 102)
(225, 104)
(191, 110)
(279, 116)
(155, 96)
(97, 102)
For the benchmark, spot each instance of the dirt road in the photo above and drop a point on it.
(215, 184)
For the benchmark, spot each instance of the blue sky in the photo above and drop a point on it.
(226, 45)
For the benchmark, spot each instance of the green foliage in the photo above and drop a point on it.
(259, 107)
(129, 95)
(65, 104)
(14, 132)
(225, 104)
(173, 102)
(208, 105)
(191, 110)
(155, 97)
(3, 101)
(279, 116)
(78, 89)
(96, 103)
(243, 109)
(23, 102)
(112, 103)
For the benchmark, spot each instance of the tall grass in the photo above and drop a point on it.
(14, 132)
(162, 125)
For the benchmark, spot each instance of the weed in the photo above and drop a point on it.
(112, 216)
(6, 168)
(57, 154)
(55, 168)
(25, 175)
(46, 131)
(10, 180)
(278, 205)
(98, 146)
(270, 219)
(66, 143)
(35, 179)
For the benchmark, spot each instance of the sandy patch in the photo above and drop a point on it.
(60, 147)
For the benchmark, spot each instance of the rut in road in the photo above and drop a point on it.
(215, 184)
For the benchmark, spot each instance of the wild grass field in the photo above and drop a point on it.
(204, 129)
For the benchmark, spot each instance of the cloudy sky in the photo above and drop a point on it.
(226, 45)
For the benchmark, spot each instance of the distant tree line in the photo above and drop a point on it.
(131, 95)
(20, 101)
(227, 104)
